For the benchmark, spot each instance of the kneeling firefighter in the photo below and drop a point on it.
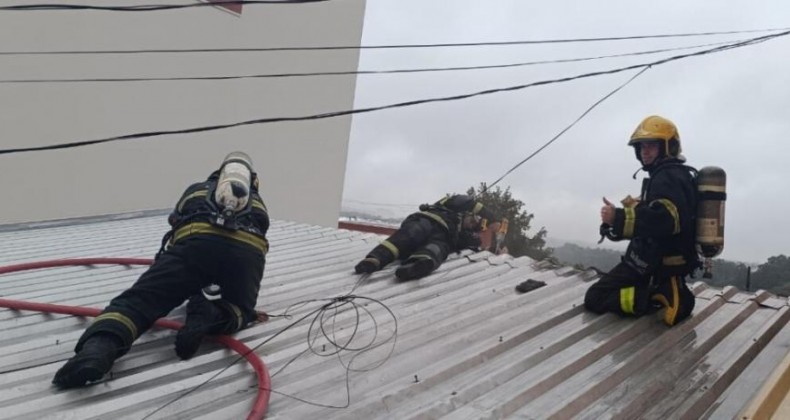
(218, 237)
(426, 238)
(661, 229)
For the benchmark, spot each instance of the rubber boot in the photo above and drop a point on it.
(203, 317)
(91, 363)
(414, 269)
(368, 265)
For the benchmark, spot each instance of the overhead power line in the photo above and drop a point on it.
(144, 7)
(357, 72)
(334, 114)
(390, 46)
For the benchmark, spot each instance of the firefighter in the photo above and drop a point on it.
(661, 229)
(218, 238)
(426, 238)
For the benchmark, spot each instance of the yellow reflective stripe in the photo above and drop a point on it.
(630, 222)
(670, 206)
(199, 193)
(443, 200)
(259, 205)
(119, 317)
(484, 225)
(627, 299)
(207, 228)
(391, 247)
(672, 310)
(437, 218)
(420, 257)
(477, 208)
(674, 260)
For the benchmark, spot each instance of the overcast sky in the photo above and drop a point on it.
(732, 110)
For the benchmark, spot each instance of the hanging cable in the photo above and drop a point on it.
(358, 72)
(584, 114)
(333, 114)
(147, 7)
(391, 46)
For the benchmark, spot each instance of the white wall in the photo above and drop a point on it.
(301, 164)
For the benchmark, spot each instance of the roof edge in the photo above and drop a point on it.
(82, 220)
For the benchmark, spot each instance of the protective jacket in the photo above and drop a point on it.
(661, 226)
(426, 238)
(449, 213)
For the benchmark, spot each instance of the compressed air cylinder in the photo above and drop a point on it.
(712, 193)
(233, 186)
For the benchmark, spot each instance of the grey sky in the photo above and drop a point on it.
(732, 110)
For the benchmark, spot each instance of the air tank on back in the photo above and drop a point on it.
(712, 195)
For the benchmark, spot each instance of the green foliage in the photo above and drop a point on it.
(727, 273)
(584, 258)
(518, 243)
(773, 275)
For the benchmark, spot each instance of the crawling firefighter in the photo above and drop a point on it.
(661, 229)
(426, 238)
(218, 237)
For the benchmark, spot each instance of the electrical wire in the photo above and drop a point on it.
(319, 321)
(146, 7)
(319, 324)
(564, 130)
(357, 72)
(390, 46)
(333, 114)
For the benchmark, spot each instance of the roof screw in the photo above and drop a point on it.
(500, 338)
(323, 347)
(416, 379)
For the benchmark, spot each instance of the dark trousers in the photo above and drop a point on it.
(417, 238)
(179, 273)
(624, 292)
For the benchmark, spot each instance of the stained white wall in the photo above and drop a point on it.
(301, 164)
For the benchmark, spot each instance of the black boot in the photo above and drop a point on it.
(414, 269)
(368, 265)
(91, 363)
(203, 317)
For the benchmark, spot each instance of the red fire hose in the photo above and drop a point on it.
(264, 382)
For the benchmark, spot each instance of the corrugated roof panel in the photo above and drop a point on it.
(467, 345)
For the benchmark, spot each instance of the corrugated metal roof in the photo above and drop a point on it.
(468, 346)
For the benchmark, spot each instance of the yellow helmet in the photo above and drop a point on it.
(655, 128)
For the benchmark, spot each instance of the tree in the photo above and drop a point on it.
(502, 203)
(773, 276)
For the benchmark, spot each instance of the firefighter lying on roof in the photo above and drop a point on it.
(218, 237)
(426, 238)
(661, 227)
